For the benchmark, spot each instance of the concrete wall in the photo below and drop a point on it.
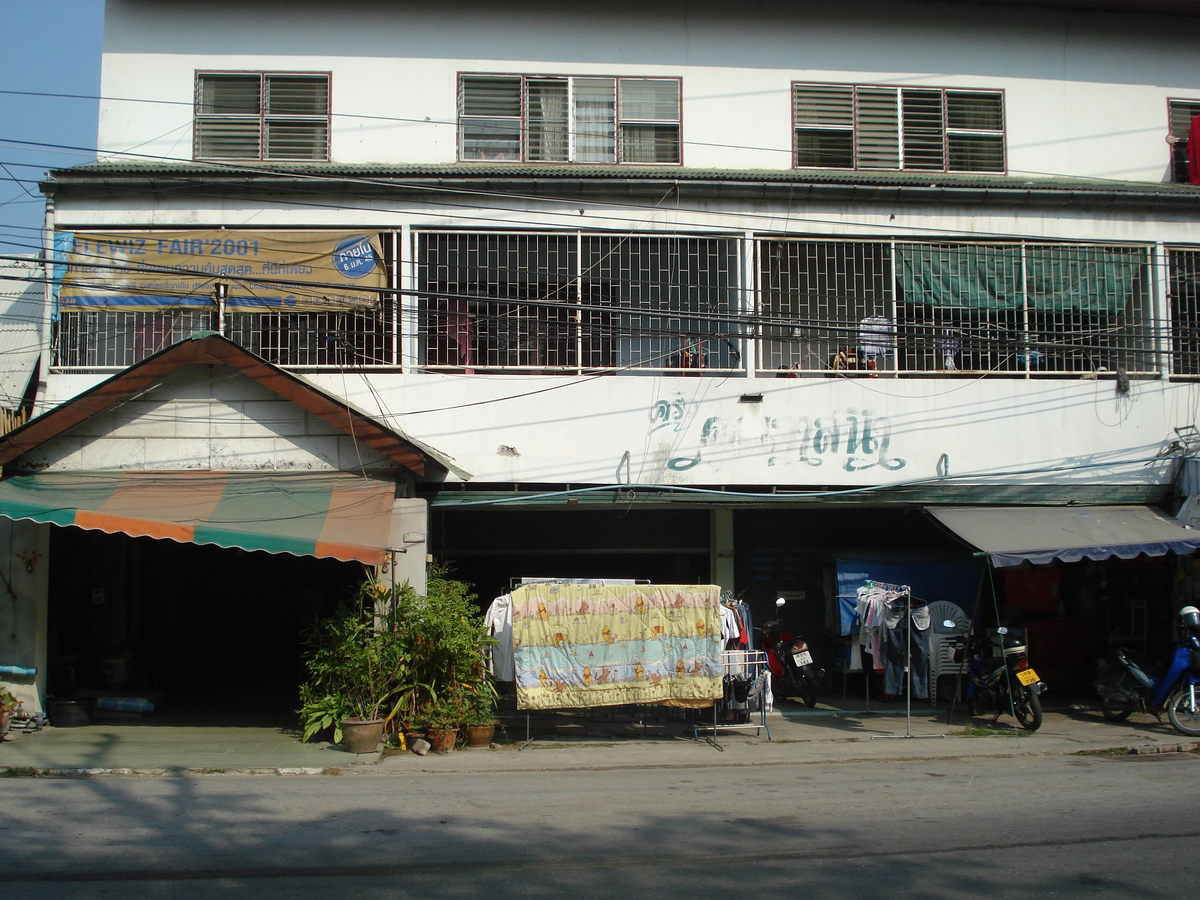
(22, 304)
(689, 431)
(204, 419)
(450, 209)
(25, 565)
(1085, 92)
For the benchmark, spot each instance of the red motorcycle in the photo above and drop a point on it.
(793, 670)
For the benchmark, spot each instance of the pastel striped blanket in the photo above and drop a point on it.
(580, 645)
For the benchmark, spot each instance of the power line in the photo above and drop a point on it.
(571, 204)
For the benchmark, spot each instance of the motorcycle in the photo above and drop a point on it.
(1000, 684)
(794, 673)
(1125, 687)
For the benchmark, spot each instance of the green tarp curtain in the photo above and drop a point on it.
(1056, 279)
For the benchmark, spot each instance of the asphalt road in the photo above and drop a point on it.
(1031, 828)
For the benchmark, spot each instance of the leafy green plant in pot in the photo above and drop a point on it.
(481, 711)
(444, 639)
(393, 653)
(356, 675)
(442, 717)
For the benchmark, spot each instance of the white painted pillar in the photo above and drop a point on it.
(720, 547)
(410, 542)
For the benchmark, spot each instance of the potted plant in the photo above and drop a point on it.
(444, 639)
(396, 654)
(8, 705)
(442, 717)
(356, 677)
(481, 712)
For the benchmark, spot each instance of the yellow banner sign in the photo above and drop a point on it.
(262, 271)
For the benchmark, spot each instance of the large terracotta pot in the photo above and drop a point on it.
(362, 735)
(479, 737)
(441, 740)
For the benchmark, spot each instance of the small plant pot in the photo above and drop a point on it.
(441, 740)
(362, 735)
(479, 737)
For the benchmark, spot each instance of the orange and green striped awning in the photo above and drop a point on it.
(329, 514)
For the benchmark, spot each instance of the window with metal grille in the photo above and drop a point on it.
(1181, 113)
(262, 115)
(1183, 267)
(574, 302)
(344, 338)
(843, 126)
(102, 339)
(951, 307)
(569, 119)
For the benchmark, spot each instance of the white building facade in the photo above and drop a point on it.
(671, 290)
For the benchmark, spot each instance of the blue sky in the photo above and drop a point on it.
(48, 47)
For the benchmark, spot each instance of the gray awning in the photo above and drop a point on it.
(1041, 534)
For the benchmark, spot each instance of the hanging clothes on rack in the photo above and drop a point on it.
(869, 610)
(735, 628)
(742, 608)
(730, 627)
(891, 618)
(906, 619)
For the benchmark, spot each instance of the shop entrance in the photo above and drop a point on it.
(201, 628)
(490, 547)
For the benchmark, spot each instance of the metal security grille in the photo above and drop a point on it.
(948, 307)
(316, 338)
(814, 295)
(1183, 267)
(115, 339)
(575, 302)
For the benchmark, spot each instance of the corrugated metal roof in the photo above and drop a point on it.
(21, 294)
(780, 185)
(242, 171)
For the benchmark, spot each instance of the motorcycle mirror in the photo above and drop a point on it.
(1001, 630)
(780, 601)
(949, 623)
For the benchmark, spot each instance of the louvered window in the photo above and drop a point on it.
(842, 126)
(1181, 114)
(569, 119)
(262, 116)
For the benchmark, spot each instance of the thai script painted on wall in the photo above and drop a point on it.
(854, 439)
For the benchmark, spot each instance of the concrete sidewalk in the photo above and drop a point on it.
(833, 732)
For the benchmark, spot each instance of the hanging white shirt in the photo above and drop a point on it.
(499, 619)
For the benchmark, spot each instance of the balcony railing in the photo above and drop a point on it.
(572, 303)
(945, 308)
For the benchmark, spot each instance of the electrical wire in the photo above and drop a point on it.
(413, 182)
(777, 496)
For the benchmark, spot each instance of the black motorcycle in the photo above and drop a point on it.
(794, 673)
(1125, 687)
(1000, 684)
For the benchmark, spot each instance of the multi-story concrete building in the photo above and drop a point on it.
(681, 291)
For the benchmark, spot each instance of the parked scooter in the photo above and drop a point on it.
(1000, 684)
(793, 670)
(1126, 688)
